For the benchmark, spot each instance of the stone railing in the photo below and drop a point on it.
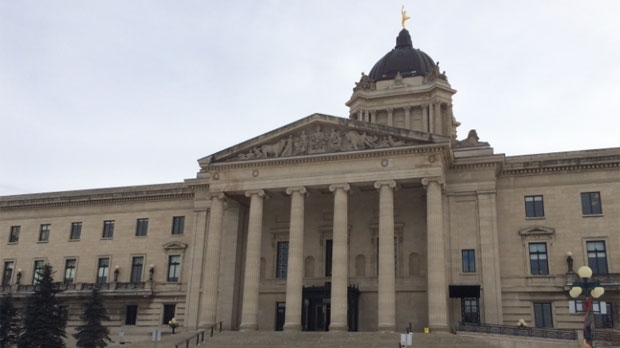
(67, 289)
(562, 334)
(607, 337)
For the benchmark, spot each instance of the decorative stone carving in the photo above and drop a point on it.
(320, 141)
(435, 74)
(365, 84)
(472, 140)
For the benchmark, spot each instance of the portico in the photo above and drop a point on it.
(287, 201)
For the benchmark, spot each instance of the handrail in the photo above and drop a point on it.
(562, 334)
(200, 336)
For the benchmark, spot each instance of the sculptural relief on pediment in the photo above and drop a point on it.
(319, 141)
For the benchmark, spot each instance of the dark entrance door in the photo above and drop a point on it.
(280, 315)
(316, 310)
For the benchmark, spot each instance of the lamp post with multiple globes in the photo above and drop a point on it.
(591, 289)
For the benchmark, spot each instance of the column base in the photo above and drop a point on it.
(386, 328)
(292, 327)
(439, 329)
(248, 327)
(338, 327)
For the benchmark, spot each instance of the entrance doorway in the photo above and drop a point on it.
(280, 315)
(316, 310)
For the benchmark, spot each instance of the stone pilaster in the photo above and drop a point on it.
(387, 278)
(436, 273)
(340, 259)
(390, 117)
(249, 312)
(489, 256)
(212, 262)
(295, 271)
(197, 261)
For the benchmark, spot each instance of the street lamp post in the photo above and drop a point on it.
(590, 289)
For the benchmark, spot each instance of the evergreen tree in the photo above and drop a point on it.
(9, 322)
(44, 319)
(92, 334)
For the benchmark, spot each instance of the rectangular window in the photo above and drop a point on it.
(469, 260)
(136, 269)
(70, 265)
(174, 268)
(178, 223)
(108, 229)
(169, 310)
(597, 257)
(76, 231)
(38, 270)
(534, 206)
(103, 270)
(328, 257)
(14, 235)
(542, 315)
(538, 259)
(131, 314)
(591, 203)
(470, 310)
(44, 233)
(142, 226)
(7, 274)
(603, 315)
(282, 261)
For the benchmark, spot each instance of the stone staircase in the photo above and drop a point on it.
(270, 339)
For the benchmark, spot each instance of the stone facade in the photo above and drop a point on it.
(374, 222)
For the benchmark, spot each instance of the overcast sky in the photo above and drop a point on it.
(118, 93)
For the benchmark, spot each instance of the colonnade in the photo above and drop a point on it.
(431, 116)
(339, 281)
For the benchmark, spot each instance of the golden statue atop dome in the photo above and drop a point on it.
(404, 16)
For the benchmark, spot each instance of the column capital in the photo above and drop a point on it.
(214, 194)
(437, 179)
(345, 187)
(301, 189)
(390, 183)
(259, 193)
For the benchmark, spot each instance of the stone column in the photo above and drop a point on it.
(249, 312)
(425, 123)
(431, 118)
(387, 278)
(212, 262)
(295, 266)
(436, 272)
(340, 259)
(390, 116)
(407, 117)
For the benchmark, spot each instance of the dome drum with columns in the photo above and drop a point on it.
(406, 90)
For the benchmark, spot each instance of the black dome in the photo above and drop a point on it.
(403, 59)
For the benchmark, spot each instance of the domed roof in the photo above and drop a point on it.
(403, 59)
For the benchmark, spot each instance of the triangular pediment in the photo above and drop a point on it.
(321, 134)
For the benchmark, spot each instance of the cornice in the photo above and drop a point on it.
(559, 168)
(50, 201)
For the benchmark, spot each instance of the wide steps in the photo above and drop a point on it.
(262, 339)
